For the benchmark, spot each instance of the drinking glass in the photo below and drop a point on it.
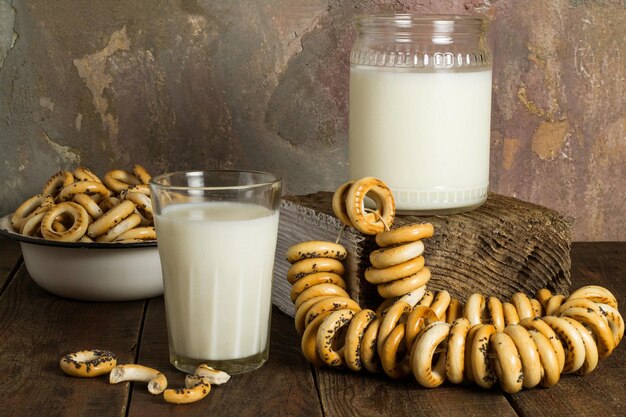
(216, 236)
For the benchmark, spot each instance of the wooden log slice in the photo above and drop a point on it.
(505, 246)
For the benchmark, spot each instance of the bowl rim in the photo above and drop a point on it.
(7, 231)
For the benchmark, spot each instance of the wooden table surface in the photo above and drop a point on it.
(37, 328)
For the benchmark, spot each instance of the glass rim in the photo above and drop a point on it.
(440, 22)
(157, 181)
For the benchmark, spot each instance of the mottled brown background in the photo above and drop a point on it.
(264, 85)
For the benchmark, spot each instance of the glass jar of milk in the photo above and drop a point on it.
(420, 109)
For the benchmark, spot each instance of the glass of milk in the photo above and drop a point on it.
(420, 109)
(216, 235)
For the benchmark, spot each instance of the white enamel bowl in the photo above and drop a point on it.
(91, 271)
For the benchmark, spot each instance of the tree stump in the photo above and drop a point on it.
(503, 247)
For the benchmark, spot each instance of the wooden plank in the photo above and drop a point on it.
(282, 386)
(11, 253)
(505, 246)
(37, 329)
(602, 392)
(348, 394)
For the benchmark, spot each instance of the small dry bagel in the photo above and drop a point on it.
(510, 314)
(553, 304)
(330, 304)
(393, 356)
(482, 370)
(308, 342)
(527, 349)
(312, 265)
(88, 363)
(28, 207)
(428, 373)
(548, 358)
(522, 305)
(440, 304)
(455, 310)
(195, 389)
(111, 218)
(303, 310)
(405, 234)
(354, 338)
(615, 320)
(83, 187)
(56, 182)
(496, 313)
(143, 203)
(597, 324)
(391, 273)
(419, 318)
(31, 226)
(89, 205)
(573, 344)
(595, 293)
(591, 347)
(157, 382)
(326, 336)
(82, 173)
(543, 328)
(108, 203)
(390, 256)
(137, 234)
(122, 227)
(119, 180)
(404, 285)
(316, 249)
(369, 349)
(320, 291)
(310, 280)
(455, 355)
(390, 320)
(506, 363)
(141, 174)
(73, 233)
(380, 193)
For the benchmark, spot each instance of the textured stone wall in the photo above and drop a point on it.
(264, 85)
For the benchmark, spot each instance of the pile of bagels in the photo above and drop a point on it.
(520, 343)
(78, 206)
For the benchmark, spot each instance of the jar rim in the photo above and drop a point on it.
(437, 23)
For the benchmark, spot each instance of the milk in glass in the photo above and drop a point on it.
(217, 260)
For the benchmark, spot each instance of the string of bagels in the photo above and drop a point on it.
(78, 206)
(520, 343)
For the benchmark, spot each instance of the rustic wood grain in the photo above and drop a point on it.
(37, 329)
(603, 392)
(282, 386)
(505, 246)
(10, 253)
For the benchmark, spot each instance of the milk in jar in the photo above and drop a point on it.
(420, 110)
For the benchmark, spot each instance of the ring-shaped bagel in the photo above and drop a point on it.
(522, 305)
(380, 193)
(595, 293)
(143, 203)
(455, 355)
(83, 187)
(386, 275)
(427, 373)
(339, 203)
(56, 182)
(506, 363)
(440, 304)
(28, 207)
(615, 320)
(405, 234)
(354, 338)
(122, 227)
(308, 343)
(597, 324)
(330, 304)
(480, 362)
(510, 314)
(314, 279)
(88, 363)
(591, 347)
(316, 249)
(573, 344)
(319, 291)
(119, 180)
(553, 304)
(455, 310)
(542, 327)
(89, 205)
(531, 363)
(137, 234)
(390, 321)
(496, 313)
(404, 285)
(390, 256)
(73, 233)
(82, 173)
(393, 359)
(302, 311)
(31, 226)
(312, 265)
(141, 174)
(548, 358)
(369, 347)
(110, 218)
(475, 308)
(419, 318)
(327, 333)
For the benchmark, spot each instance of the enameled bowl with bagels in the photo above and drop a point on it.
(90, 239)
